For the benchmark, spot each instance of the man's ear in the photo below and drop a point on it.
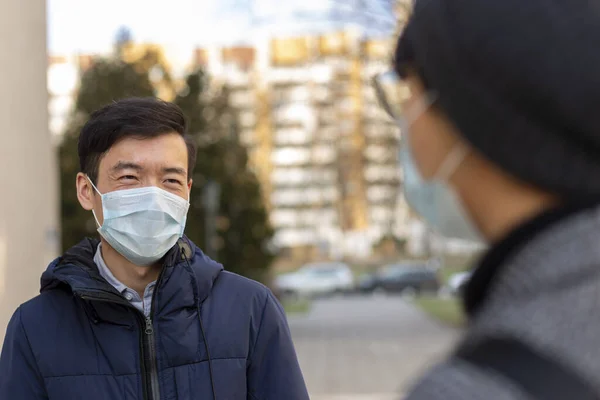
(189, 185)
(85, 192)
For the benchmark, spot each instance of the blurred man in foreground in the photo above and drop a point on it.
(142, 313)
(502, 144)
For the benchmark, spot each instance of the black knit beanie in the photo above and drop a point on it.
(521, 81)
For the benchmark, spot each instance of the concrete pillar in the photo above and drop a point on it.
(28, 176)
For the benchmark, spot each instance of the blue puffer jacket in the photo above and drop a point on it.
(212, 335)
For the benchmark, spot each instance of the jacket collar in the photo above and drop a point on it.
(77, 272)
(534, 233)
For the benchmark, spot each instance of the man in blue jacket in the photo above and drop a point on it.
(142, 313)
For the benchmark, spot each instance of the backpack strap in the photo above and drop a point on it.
(538, 375)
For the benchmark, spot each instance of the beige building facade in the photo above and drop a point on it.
(323, 149)
(29, 203)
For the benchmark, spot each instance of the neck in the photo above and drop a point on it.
(497, 202)
(131, 275)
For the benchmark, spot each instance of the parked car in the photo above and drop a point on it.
(458, 281)
(404, 278)
(317, 279)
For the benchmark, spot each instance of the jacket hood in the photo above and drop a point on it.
(76, 270)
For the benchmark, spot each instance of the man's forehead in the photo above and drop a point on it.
(168, 141)
(133, 153)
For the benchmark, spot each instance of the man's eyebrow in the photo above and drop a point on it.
(122, 165)
(174, 170)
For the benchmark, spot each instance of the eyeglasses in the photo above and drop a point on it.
(391, 92)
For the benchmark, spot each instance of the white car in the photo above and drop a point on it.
(316, 279)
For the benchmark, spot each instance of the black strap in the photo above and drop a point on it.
(538, 375)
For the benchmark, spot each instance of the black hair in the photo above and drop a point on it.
(405, 60)
(142, 118)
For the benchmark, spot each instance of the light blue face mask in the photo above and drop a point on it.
(435, 200)
(142, 224)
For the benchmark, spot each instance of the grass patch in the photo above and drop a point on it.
(444, 274)
(456, 264)
(299, 306)
(447, 310)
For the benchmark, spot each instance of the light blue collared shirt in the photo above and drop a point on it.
(144, 305)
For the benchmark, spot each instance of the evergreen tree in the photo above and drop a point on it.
(106, 81)
(243, 229)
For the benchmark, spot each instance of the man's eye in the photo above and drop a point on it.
(174, 181)
(127, 177)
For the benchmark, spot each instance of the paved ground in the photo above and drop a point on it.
(366, 348)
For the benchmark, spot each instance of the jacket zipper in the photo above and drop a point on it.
(150, 383)
(153, 371)
(152, 368)
(150, 386)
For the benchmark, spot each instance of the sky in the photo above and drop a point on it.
(91, 25)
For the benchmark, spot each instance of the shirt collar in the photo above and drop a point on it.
(106, 273)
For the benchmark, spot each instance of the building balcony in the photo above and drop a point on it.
(381, 193)
(248, 137)
(247, 118)
(281, 88)
(303, 176)
(295, 237)
(323, 95)
(374, 111)
(286, 75)
(292, 94)
(313, 184)
(241, 99)
(301, 197)
(392, 147)
(390, 158)
(322, 73)
(324, 154)
(377, 152)
(393, 183)
(291, 218)
(379, 121)
(388, 173)
(329, 133)
(293, 136)
(382, 214)
(289, 156)
(236, 78)
(295, 113)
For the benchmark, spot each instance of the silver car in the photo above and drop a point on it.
(316, 279)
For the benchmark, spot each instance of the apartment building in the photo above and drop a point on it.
(324, 151)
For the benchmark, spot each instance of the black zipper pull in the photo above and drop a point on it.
(149, 329)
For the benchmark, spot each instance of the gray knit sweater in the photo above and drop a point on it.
(542, 286)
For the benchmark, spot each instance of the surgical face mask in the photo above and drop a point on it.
(142, 224)
(435, 200)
